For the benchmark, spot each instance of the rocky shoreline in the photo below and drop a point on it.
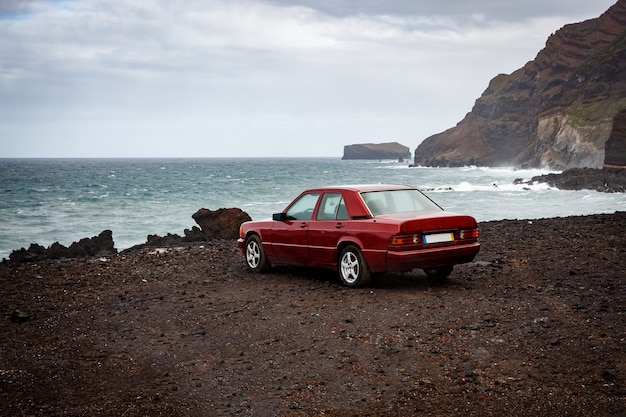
(535, 326)
(214, 224)
(606, 180)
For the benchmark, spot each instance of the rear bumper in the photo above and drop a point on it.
(431, 258)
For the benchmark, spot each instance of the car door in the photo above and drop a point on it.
(289, 236)
(328, 226)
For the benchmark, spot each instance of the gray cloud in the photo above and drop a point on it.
(503, 10)
(251, 77)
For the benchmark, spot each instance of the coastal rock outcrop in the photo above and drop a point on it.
(557, 111)
(218, 224)
(222, 223)
(101, 245)
(390, 150)
(606, 180)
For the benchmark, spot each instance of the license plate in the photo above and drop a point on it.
(439, 238)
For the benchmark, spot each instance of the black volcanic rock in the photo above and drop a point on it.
(391, 150)
(217, 224)
(607, 180)
(101, 245)
(556, 111)
(214, 224)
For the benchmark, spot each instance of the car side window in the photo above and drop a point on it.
(302, 208)
(328, 206)
(332, 207)
(342, 212)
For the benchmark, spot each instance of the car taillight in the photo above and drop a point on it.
(241, 232)
(402, 240)
(466, 234)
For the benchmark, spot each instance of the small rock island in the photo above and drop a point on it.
(390, 150)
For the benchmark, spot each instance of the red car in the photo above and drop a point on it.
(359, 230)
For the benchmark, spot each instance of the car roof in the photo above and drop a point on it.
(364, 187)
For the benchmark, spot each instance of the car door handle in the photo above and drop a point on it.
(338, 226)
(303, 225)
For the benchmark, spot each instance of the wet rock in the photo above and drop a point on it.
(608, 180)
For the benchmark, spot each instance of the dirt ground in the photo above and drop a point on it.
(535, 326)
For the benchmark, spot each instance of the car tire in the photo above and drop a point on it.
(353, 269)
(438, 274)
(256, 261)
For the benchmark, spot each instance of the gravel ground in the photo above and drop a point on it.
(535, 326)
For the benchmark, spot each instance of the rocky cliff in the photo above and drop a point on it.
(391, 150)
(615, 148)
(557, 111)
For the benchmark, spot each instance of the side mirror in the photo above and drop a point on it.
(279, 217)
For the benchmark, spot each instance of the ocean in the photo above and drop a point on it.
(64, 200)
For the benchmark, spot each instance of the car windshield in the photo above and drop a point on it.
(398, 201)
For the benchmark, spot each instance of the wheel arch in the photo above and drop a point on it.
(376, 259)
(267, 247)
(252, 233)
(343, 244)
(256, 254)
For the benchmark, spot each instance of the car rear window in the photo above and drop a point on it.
(397, 201)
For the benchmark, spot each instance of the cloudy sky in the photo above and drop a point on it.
(254, 78)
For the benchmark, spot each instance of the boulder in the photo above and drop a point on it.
(220, 224)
